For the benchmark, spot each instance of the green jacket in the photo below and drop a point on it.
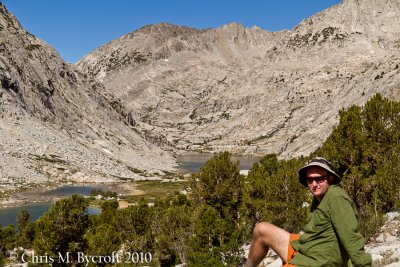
(331, 234)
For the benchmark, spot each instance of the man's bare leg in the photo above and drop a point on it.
(265, 236)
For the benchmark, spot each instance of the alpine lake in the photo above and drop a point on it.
(190, 162)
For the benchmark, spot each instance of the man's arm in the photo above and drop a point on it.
(345, 223)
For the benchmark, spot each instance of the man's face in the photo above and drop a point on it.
(317, 181)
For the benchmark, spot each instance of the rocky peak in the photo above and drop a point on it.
(163, 41)
(372, 19)
(25, 71)
(8, 20)
(254, 91)
(165, 29)
(52, 114)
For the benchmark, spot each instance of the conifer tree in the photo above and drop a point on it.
(62, 228)
(207, 244)
(134, 223)
(276, 194)
(172, 228)
(103, 240)
(26, 229)
(219, 192)
(220, 185)
(366, 147)
(8, 240)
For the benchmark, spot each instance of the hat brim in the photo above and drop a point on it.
(303, 172)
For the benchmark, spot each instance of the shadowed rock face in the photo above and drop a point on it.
(56, 124)
(250, 90)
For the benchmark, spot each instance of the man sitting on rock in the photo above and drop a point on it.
(331, 234)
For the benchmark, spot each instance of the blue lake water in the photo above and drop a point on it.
(68, 190)
(189, 162)
(193, 161)
(9, 215)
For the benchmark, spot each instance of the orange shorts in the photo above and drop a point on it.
(291, 250)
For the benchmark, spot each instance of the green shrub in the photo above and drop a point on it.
(220, 228)
(32, 47)
(275, 193)
(366, 148)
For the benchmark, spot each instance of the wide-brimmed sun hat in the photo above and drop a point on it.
(320, 162)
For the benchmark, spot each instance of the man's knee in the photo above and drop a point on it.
(262, 229)
(271, 234)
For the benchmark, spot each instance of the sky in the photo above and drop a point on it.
(76, 27)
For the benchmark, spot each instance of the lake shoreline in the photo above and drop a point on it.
(188, 163)
(38, 194)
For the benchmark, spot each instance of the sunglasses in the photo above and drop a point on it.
(318, 180)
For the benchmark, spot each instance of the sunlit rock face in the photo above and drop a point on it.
(247, 90)
(56, 123)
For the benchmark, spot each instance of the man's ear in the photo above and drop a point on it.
(330, 179)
